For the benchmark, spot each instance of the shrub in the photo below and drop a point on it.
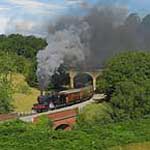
(22, 136)
(133, 66)
(44, 122)
(130, 100)
(126, 81)
(95, 114)
(5, 96)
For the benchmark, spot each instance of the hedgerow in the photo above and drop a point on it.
(16, 135)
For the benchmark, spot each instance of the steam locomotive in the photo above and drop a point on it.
(64, 98)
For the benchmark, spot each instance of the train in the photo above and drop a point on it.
(51, 101)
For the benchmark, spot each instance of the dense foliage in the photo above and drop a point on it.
(10, 62)
(7, 65)
(133, 66)
(95, 114)
(126, 81)
(23, 51)
(27, 46)
(131, 100)
(17, 135)
(5, 96)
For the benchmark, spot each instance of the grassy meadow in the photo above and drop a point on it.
(24, 96)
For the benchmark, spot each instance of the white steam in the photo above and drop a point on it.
(62, 44)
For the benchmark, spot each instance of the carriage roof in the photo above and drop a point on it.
(70, 91)
(74, 90)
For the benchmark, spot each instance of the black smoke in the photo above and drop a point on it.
(111, 30)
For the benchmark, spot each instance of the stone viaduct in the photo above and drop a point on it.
(93, 74)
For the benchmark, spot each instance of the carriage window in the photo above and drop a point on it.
(63, 98)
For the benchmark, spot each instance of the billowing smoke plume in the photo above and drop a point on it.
(93, 37)
(62, 44)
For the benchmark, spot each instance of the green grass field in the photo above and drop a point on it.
(24, 96)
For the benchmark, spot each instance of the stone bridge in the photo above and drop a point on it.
(62, 119)
(92, 74)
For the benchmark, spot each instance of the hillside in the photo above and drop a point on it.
(24, 96)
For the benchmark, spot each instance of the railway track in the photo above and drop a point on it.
(28, 116)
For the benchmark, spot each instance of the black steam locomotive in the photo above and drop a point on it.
(62, 99)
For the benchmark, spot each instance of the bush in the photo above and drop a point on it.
(130, 100)
(5, 96)
(95, 114)
(129, 66)
(44, 122)
(16, 135)
(126, 81)
(18, 53)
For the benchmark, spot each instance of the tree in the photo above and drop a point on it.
(130, 100)
(31, 77)
(128, 66)
(126, 81)
(27, 46)
(7, 66)
(5, 95)
(22, 51)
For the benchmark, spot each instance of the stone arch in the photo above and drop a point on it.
(82, 78)
(93, 74)
(63, 127)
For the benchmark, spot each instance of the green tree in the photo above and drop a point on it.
(132, 66)
(130, 100)
(126, 81)
(23, 51)
(31, 77)
(7, 66)
(27, 46)
(5, 96)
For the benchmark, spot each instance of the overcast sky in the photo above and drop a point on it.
(25, 15)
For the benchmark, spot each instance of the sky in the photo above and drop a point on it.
(28, 15)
